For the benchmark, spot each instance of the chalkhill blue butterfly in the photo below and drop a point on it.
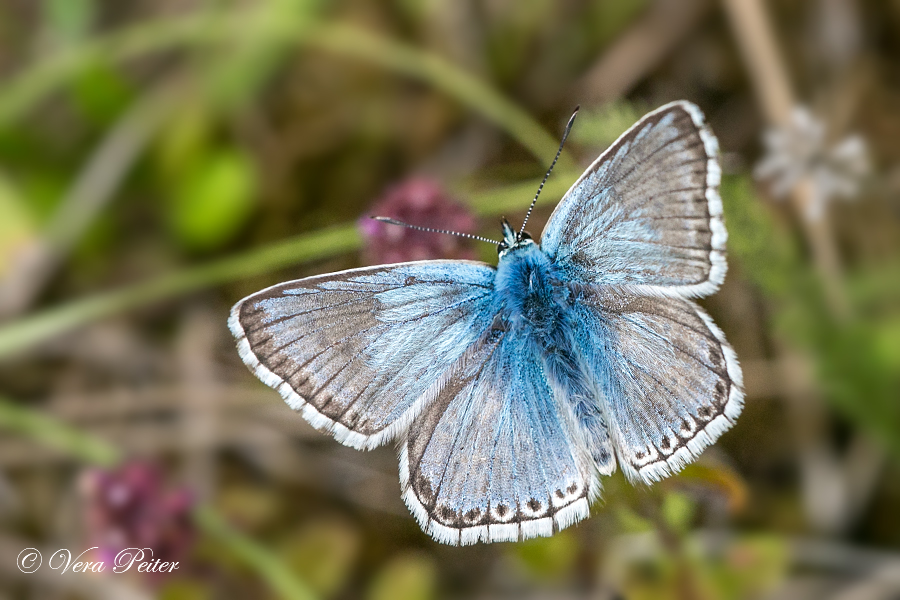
(511, 389)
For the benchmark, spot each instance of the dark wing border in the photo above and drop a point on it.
(707, 436)
(568, 515)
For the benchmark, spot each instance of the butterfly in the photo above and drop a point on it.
(511, 390)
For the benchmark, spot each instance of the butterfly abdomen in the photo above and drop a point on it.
(538, 303)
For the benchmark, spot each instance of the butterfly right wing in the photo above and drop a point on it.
(647, 212)
(359, 353)
(665, 376)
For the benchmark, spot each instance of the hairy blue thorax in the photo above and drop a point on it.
(531, 294)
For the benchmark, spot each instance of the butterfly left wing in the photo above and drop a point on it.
(496, 456)
(667, 379)
(359, 353)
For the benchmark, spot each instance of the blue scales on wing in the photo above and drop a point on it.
(496, 456)
(670, 383)
(647, 212)
(359, 353)
(636, 236)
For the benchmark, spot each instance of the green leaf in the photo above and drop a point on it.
(549, 557)
(877, 287)
(43, 188)
(678, 511)
(323, 554)
(769, 256)
(268, 565)
(186, 137)
(252, 58)
(101, 92)
(511, 35)
(886, 343)
(416, 10)
(185, 589)
(17, 228)
(213, 201)
(631, 522)
(854, 361)
(70, 20)
(406, 577)
(752, 566)
(600, 127)
(608, 18)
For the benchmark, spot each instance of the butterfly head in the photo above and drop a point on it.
(512, 239)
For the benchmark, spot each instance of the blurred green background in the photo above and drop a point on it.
(161, 160)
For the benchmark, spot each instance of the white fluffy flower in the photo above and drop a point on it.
(798, 150)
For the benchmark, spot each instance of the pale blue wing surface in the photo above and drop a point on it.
(647, 212)
(359, 353)
(668, 380)
(494, 457)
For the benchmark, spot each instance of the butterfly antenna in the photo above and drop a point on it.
(432, 230)
(553, 164)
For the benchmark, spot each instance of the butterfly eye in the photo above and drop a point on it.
(501, 247)
(526, 235)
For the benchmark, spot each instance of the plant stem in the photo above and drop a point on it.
(320, 244)
(260, 559)
(776, 96)
(56, 434)
(514, 198)
(39, 80)
(355, 42)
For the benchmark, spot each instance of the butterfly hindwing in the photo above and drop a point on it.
(360, 352)
(647, 212)
(494, 457)
(670, 382)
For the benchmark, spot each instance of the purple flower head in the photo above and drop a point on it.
(130, 507)
(421, 202)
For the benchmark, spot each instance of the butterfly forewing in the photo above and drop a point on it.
(647, 213)
(494, 457)
(670, 381)
(360, 352)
